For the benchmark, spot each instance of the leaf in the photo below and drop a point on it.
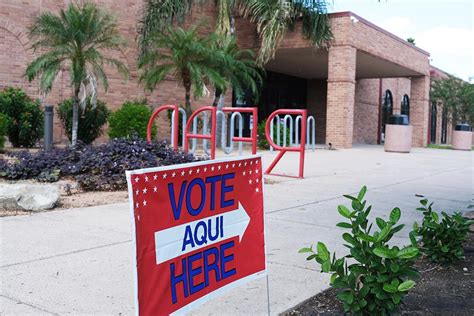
(344, 211)
(366, 237)
(348, 237)
(380, 222)
(395, 215)
(435, 217)
(424, 202)
(405, 286)
(326, 266)
(408, 252)
(346, 297)
(394, 267)
(389, 288)
(362, 192)
(398, 228)
(313, 256)
(384, 232)
(344, 225)
(384, 252)
(323, 252)
(364, 291)
(305, 249)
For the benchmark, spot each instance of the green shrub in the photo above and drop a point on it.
(91, 119)
(131, 119)
(262, 139)
(25, 124)
(374, 277)
(441, 238)
(3, 128)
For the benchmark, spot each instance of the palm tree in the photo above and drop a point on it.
(187, 57)
(237, 67)
(272, 18)
(75, 40)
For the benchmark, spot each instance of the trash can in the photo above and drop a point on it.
(398, 134)
(462, 137)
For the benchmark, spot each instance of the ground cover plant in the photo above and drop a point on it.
(374, 277)
(94, 167)
(130, 120)
(91, 119)
(25, 117)
(441, 237)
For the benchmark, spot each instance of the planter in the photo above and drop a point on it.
(462, 137)
(398, 134)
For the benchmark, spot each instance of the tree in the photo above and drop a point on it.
(185, 55)
(237, 67)
(272, 18)
(75, 40)
(457, 96)
(411, 40)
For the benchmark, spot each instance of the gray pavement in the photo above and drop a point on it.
(79, 261)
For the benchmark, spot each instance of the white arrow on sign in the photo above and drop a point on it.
(169, 242)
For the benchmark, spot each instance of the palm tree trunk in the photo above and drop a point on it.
(75, 116)
(187, 88)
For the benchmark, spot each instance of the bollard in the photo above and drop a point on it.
(48, 127)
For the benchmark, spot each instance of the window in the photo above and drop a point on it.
(387, 111)
(406, 105)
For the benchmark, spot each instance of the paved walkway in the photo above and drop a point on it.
(79, 261)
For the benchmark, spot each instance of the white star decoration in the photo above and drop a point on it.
(155, 189)
(164, 175)
(257, 190)
(136, 205)
(190, 171)
(155, 177)
(198, 170)
(250, 181)
(136, 179)
(145, 190)
(144, 202)
(146, 178)
(137, 191)
(174, 174)
(182, 173)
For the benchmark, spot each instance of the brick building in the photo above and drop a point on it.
(351, 87)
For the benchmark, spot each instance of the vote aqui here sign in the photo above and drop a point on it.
(198, 230)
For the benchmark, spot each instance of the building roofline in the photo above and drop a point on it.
(378, 28)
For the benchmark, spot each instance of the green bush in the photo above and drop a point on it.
(262, 139)
(25, 124)
(3, 128)
(91, 120)
(131, 119)
(374, 277)
(441, 238)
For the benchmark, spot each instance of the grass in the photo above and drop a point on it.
(436, 146)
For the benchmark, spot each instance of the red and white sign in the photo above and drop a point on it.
(198, 229)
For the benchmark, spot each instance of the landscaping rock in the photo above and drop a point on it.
(30, 197)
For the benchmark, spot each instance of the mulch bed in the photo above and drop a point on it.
(439, 291)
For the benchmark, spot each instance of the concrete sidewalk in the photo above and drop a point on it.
(79, 261)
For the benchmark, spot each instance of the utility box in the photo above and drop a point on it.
(398, 134)
(462, 137)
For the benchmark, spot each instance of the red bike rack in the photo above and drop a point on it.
(283, 150)
(157, 111)
(211, 136)
(253, 137)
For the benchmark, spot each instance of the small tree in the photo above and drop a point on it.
(411, 40)
(457, 97)
(75, 40)
(237, 67)
(187, 57)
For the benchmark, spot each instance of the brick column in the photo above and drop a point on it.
(419, 109)
(340, 96)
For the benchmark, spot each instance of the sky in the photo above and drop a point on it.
(444, 28)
